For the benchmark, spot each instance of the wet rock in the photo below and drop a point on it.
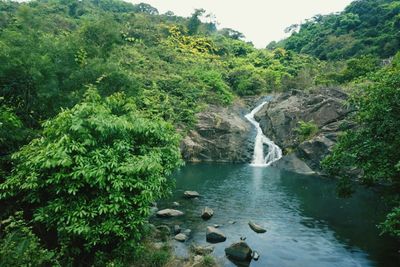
(255, 255)
(175, 204)
(214, 235)
(191, 194)
(166, 213)
(177, 229)
(164, 229)
(231, 222)
(216, 225)
(207, 213)
(181, 237)
(292, 163)
(202, 250)
(187, 232)
(239, 251)
(256, 228)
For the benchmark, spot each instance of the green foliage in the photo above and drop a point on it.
(365, 27)
(208, 261)
(374, 146)
(93, 173)
(19, 246)
(306, 130)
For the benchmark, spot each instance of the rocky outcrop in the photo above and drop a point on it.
(220, 135)
(280, 118)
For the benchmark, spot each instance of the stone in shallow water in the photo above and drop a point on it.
(202, 250)
(239, 251)
(166, 213)
(181, 237)
(256, 228)
(191, 194)
(207, 213)
(255, 255)
(214, 235)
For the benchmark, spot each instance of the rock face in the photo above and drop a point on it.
(239, 251)
(214, 235)
(166, 213)
(256, 228)
(324, 107)
(220, 135)
(207, 213)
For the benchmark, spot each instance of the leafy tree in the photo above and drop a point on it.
(194, 21)
(93, 173)
(374, 147)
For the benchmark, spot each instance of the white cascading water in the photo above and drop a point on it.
(274, 151)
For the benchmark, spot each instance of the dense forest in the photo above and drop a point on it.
(96, 95)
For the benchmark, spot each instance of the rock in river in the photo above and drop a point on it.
(207, 213)
(181, 237)
(166, 213)
(256, 228)
(202, 250)
(214, 235)
(239, 251)
(191, 194)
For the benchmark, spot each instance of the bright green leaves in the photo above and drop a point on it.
(95, 171)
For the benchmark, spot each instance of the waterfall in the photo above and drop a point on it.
(274, 151)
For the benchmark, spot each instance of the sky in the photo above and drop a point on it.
(261, 21)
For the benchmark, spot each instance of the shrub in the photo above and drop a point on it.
(94, 172)
(20, 246)
(306, 130)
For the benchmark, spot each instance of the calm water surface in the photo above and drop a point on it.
(307, 225)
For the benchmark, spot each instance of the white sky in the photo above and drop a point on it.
(261, 21)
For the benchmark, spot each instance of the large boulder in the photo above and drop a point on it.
(214, 235)
(221, 134)
(166, 213)
(239, 251)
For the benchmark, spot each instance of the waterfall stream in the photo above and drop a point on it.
(274, 151)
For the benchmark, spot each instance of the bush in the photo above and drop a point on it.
(20, 246)
(306, 130)
(93, 174)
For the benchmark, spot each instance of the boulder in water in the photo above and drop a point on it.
(214, 235)
(177, 229)
(166, 213)
(256, 228)
(191, 194)
(181, 237)
(207, 213)
(239, 251)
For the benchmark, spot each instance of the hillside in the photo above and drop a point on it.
(365, 27)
